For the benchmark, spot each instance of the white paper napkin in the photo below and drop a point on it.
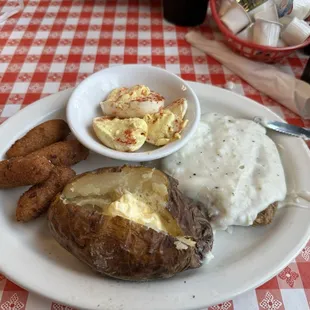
(284, 88)
(5, 15)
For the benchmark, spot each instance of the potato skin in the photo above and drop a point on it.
(122, 249)
(22, 171)
(64, 153)
(40, 136)
(37, 199)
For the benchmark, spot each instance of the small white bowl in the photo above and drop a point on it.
(84, 105)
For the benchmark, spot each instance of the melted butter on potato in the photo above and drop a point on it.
(132, 207)
(183, 243)
(139, 195)
(161, 189)
(126, 135)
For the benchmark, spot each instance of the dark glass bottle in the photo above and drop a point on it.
(306, 74)
(185, 12)
(307, 50)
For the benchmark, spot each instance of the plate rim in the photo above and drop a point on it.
(55, 105)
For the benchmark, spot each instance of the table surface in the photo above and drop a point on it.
(54, 45)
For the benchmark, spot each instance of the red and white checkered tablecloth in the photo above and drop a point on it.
(54, 44)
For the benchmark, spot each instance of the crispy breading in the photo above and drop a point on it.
(64, 153)
(22, 171)
(40, 136)
(36, 200)
(266, 216)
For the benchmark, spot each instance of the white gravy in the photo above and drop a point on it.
(234, 164)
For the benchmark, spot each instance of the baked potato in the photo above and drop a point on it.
(130, 223)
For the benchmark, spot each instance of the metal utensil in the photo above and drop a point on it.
(249, 5)
(285, 128)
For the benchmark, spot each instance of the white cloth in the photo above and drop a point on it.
(5, 15)
(284, 88)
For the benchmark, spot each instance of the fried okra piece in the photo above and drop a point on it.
(22, 171)
(39, 137)
(64, 153)
(36, 200)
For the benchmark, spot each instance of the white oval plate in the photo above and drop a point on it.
(243, 260)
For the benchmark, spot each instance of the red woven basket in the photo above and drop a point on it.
(251, 50)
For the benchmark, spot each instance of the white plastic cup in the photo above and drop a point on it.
(247, 33)
(281, 43)
(269, 12)
(266, 32)
(285, 20)
(301, 9)
(236, 18)
(225, 6)
(260, 8)
(296, 32)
